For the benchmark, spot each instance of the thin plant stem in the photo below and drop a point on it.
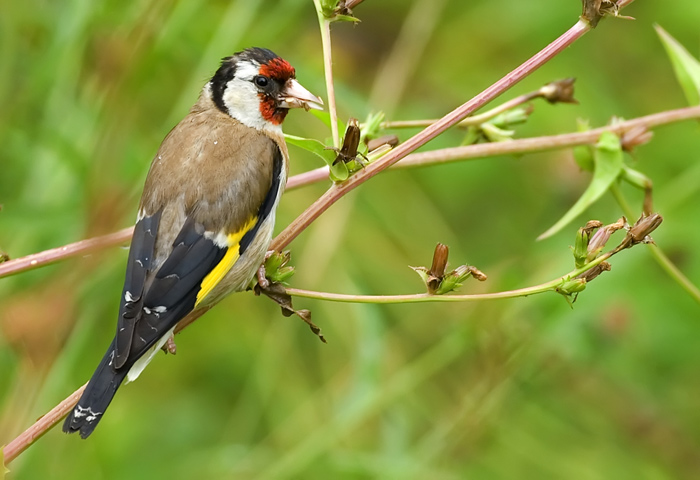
(551, 142)
(43, 425)
(445, 155)
(337, 191)
(22, 442)
(425, 297)
(469, 121)
(76, 249)
(659, 256)
(325, 25)
(516, 147)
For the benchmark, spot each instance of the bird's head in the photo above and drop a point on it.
(257, 88)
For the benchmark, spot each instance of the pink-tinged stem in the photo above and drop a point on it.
(43, 425)
(76, 249)
(337, 191)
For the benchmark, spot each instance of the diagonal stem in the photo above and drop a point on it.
(338, 191)
(22, 442)
(445, 155)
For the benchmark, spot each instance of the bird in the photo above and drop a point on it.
(205, 218)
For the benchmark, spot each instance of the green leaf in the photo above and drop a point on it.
(570, 288)
(496, 134)
(608, 166)
(325, 117)
(686, 67)
(583, 154)
(338, 172)
(372, 127)
(345, 18)
(514, 116)
(472, 136)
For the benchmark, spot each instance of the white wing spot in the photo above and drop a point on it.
(128, 297)
(82, 411)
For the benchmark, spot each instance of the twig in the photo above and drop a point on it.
(426, 297)
(516, 147)
(664, 262)
(469, 121)
(552, 142)
(336, 192)
(43, 425)
(76, 249)
(445, 155)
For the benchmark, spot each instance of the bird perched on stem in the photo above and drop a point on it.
(206, 215)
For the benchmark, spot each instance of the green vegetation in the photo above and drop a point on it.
(514, 388)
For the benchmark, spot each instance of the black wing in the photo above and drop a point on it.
(153, 304)
(145, 316)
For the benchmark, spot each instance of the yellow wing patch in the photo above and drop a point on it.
(222, 268)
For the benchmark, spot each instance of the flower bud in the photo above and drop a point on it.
(583, 236)
(276, 268)
(601, 237)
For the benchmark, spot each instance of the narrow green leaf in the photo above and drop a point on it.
(372, 127)
(686, 67)
(496, 134)
(345, 18)
(471, 137)
(338, 172)
(608, 166)
(583, 154)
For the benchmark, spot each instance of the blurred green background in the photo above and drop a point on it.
(524, 388)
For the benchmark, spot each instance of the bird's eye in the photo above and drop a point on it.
(261, 81)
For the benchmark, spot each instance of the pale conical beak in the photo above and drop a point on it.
(295, 96)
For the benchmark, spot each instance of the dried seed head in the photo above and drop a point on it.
(592, 225)
(641, 230)
(595, 271)
(439, 260)
(478, 274)
(375, 143)
(634, 137)
(559, 91)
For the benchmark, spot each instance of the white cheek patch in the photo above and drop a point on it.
(242, 100)
(243, 103)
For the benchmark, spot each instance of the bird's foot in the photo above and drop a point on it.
(170, 346)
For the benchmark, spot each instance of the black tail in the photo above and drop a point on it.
(96, 397)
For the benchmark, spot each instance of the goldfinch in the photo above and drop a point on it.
(206, 215)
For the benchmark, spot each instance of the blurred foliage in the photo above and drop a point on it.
(523, 388)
